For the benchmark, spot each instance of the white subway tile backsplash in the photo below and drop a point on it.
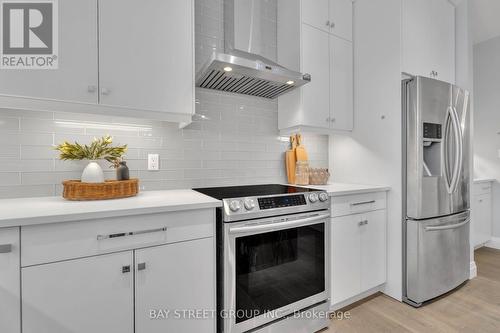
(9, 123)
(24, 191)
(9, 152)
(237, 144)
(10, 178)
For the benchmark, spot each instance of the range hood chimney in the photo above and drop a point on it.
(250, 40)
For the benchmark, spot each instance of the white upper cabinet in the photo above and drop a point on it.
(146, 54)
(116, 57)
(76, 79)
(315, 58)
(333, 16)
(326, 103)
(428, 39)
(341, 84)
(316, 13)
(341, 14)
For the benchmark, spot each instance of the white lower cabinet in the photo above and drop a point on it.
(147, 274)
(482, 211)
(10, 291)
(86, 295)
(178, 278)
(358, 254)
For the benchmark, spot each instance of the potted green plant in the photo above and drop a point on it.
(99, 149)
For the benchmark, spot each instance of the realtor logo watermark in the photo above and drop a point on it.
(29, 33)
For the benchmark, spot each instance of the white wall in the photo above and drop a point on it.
(373, 153)
(465, 75)
(487, 118)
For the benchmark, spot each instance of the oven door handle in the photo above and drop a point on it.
(274, 226)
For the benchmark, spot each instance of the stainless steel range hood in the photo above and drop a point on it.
(242, 68)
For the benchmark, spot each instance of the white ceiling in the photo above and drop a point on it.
(485, 19)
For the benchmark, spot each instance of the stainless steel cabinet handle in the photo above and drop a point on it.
(363, 203)
(332, 25)
(131, 233)
(126, 269)
(332, 120)
(141, 266)
(5, 248)
(327, 23)
(447, 227)
(365, 222)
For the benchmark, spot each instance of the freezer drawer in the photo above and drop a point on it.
(438, 256)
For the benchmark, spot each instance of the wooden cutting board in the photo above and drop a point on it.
(291, 160)
(300, 151)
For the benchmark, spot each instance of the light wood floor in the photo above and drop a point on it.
(473, 308)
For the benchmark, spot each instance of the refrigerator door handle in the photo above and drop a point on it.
(448, 226)
(458, 149)
(445, 151)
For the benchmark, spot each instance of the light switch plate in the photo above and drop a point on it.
(153, 162)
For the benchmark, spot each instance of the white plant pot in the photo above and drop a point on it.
(93, 173)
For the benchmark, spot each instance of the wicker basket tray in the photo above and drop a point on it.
(111, 189)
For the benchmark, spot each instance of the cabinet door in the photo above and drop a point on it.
(316, 13)
(316, 61)
(481, 219)
(341, 18)
(417, 30)
(79, 296)
(373, 249)
(443, 40)
(76, 77)
(345, 258)
(146, 54)
(341, 84)
(10, 301)
(175, 277)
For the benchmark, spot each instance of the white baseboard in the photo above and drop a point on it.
(473, 270)
(494, 243)
(356, 298)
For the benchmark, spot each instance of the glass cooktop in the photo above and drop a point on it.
(220, 193)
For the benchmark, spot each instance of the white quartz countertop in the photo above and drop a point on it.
(484, 180)
(340, 189)
(30, 211)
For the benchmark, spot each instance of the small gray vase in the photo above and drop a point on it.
(122, 172)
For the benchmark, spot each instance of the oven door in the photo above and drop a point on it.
(274, 267)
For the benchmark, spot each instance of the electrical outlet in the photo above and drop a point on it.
(153, 162)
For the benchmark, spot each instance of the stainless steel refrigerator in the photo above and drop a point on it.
(436, 186)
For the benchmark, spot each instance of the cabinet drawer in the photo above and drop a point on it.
(353, 204)
(482, 188)
(62, 241)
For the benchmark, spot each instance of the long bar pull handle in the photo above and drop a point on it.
(460, 149)
(132, 233)
(5, 248)
(445, 152)
(274, 226)
(141, 266)
(447, 227)
(363, 203)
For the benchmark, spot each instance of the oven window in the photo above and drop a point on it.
(278, 268)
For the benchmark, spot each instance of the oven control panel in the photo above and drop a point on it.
(281, 202)
(238, 209)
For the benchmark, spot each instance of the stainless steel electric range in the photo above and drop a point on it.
(272, 258)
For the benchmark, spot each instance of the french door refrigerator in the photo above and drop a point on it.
(436, 186)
